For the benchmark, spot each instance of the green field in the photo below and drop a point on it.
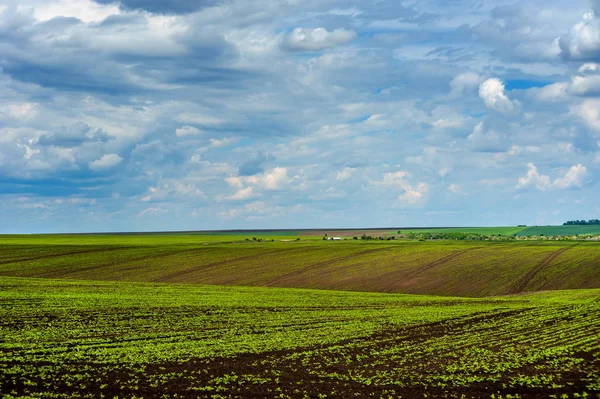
(213, 316)
(505, 230)
(472, 269)
(73, 338)
(510, 230)
(559, 230)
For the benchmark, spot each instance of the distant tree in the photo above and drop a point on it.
(591, 222)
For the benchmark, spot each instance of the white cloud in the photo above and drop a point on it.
(455, 189)
(589, 112)
(465, 83)
(585, 84)
(487, 140)
(573, 178)
(582, 42)
(235, 181)
(199, 119)
(589, 67)
(107, 161)
(534, 179)
(492, 93)
(317, 39)
(224, 142)
(345, 174)
(275, 179)
(172, 189)
(23, 110)
(328, 194)
(412, 195)
(188, 131)
(152, 211)
(552, 91)
(242, 194)
(246, 186)
(85, 10)
(438, 159)
(450, 123)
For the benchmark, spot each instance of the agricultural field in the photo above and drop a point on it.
(217, 316)
(509, 230)
(488, 231)
(472, 269)
(105, 339)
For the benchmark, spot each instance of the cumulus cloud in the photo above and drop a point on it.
(493, 95)
(274, 179)
(582, 42)
(411, 194)
(247, 186)
(573, 178)
(589, 112)
(107, 161)
(464, 83)
(585, 83)
(316, 39)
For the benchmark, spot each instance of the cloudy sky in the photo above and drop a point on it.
(140, 115)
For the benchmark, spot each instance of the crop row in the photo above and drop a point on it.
(64, 338)
(440, 268)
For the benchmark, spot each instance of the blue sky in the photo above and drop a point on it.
(208, 114)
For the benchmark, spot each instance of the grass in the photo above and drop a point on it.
(80, 338)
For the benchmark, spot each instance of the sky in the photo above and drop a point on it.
(152, 115)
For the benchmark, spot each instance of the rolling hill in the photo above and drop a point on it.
(434, 268)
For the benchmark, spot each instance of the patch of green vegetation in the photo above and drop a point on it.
(104, 339)
(486, 231)
(559, 230)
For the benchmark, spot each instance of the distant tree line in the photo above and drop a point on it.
(446, 236)
(591, 222)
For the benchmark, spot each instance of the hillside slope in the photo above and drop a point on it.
(437, 268)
